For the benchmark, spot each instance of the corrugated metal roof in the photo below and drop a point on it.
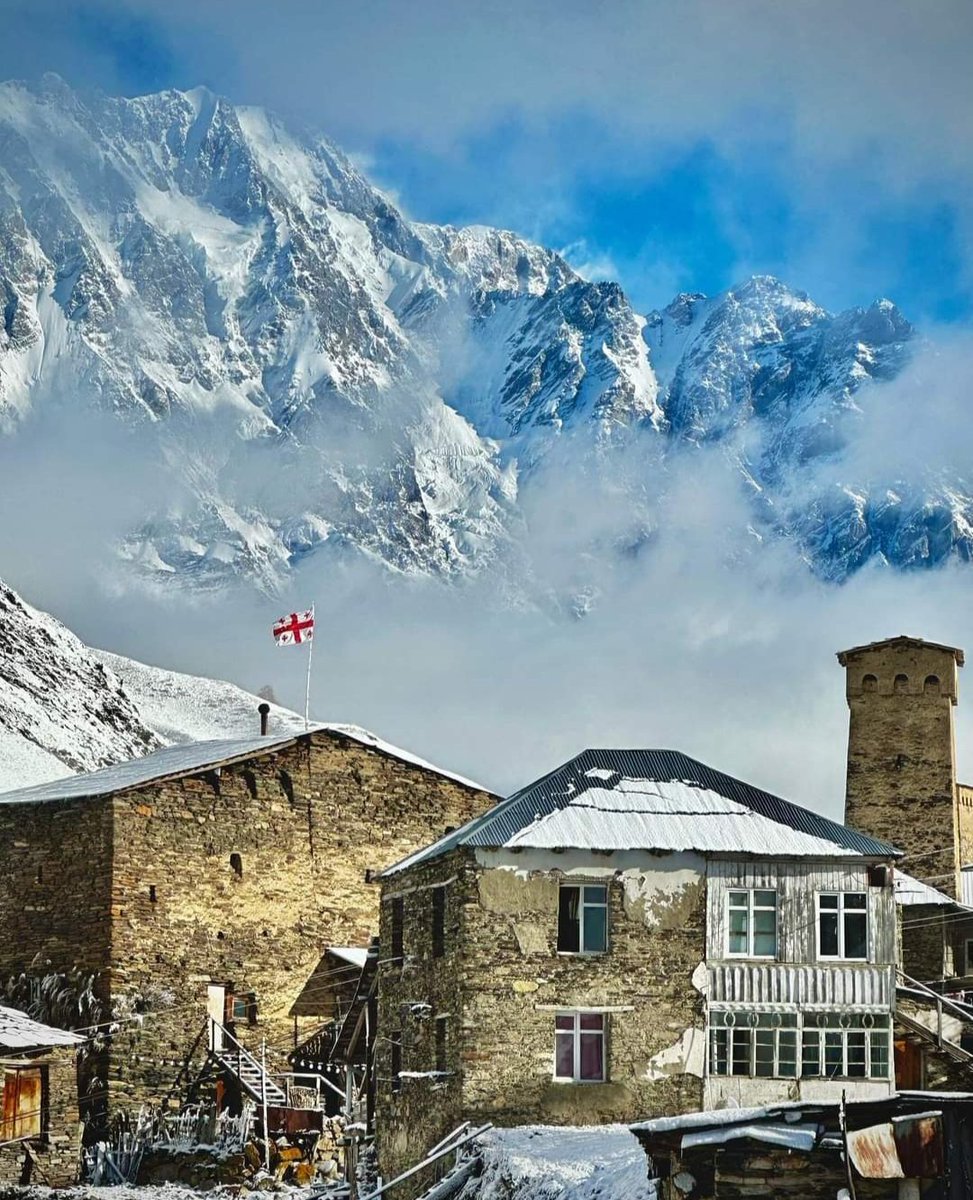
(20, 1032)
(652, 800)
(175, 761)
(909, 890)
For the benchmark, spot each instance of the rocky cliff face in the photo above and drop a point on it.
(319, 376)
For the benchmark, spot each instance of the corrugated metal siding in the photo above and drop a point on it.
(603, 770)
(773, 984)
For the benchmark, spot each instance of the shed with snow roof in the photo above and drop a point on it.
(39, 1120)
(192, 893)
(635, 932)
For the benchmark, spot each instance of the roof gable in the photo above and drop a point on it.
(901, 640)
(652, 800)
(174, 762)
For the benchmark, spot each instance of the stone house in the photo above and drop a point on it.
(633, 934)
(40, 1138)
(195, 890)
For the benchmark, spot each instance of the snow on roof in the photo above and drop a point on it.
(652, 800)
(175, 761)
(909, 890)
(20, 1032)
(355, 955)
(716, 1117)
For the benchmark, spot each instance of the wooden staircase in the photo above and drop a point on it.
(241, 1064)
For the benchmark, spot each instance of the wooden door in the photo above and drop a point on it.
(216, 1011)
(908, 1066)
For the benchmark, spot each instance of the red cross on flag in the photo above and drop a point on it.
(295, 628)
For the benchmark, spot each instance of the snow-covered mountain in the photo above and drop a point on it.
(317, 375)
(66, 708)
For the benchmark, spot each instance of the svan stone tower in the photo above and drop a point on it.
(902, 757)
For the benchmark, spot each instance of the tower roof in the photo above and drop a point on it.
(901, 640)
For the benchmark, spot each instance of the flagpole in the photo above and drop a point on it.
(307, 685)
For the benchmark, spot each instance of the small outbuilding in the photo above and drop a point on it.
(40, 1128)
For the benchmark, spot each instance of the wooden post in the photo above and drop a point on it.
(843, 1121)
(263, 1096)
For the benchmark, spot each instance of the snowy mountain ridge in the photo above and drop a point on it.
(318, 376)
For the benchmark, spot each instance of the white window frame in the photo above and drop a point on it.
(840, 912)
(876, 1029)
(576, 1036)
(751, 909)
(744, 1023)
(584, 903)
(874, 1034)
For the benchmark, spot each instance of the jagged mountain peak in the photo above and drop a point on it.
(237, 286)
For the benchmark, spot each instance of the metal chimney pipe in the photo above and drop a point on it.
(264, 710)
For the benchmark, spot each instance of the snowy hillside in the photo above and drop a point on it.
(315, 375)
(67, 708)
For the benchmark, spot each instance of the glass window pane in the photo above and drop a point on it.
(592, 1057)
(568, 923)
(717, 1052)
(739, 899)
(564, 1056)
(856, 1054)
(811, 1054)
(856, 935)
(592, 1021)
(880, 1054)
(765, 945)
(765, 920)
(828, 901)
(564, 1021)
(828, 934)
(854, 900)
(740, 1063)
(595, 929)
(765, 899)
(595, 894)
(833, 1054)
(787, 1053)
(764, 1052)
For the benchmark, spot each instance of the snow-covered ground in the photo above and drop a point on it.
(546, 1162)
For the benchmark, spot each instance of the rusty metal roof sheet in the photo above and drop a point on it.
(652, 800)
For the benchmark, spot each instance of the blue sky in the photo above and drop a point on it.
(674, 147)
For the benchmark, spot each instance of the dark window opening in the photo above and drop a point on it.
(396, 1060)
(900, 684)
(250, 781)
(438, 922)
(440, 1043)
(236, 865)
(931, 685)
(241, 1008)
(869, 683)
(286, 785)
(40, 875)
(152, 894)
(397, 916)
(582, 919)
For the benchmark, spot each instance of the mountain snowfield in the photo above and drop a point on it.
(315, 375)
(66, 708)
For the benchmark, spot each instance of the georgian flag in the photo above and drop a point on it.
(295, 628)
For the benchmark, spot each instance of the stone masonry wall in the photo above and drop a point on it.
(53, 1158)
(413, 1114)
(306, 820)
(901, 755)
(55, 886)
(509, 980)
